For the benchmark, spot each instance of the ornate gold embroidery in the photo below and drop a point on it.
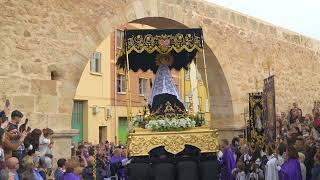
(164, 59)
(164, 43)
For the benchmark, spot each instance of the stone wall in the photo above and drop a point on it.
(38, 37)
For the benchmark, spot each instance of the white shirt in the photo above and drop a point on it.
(303, 171)
(280, 160)
(220, 154)
(2, 155)
(246, 157)
(44, 146)
(271, 169)
(254, 176)
(241, 176)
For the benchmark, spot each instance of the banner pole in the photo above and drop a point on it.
(206, 78)
(128, 88)
(245, 123)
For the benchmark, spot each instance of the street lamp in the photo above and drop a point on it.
(146, 107)
(201, 115)
(140, 115)
(140, 118)
(201, 118)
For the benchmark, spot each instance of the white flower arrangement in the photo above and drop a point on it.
(170, 124)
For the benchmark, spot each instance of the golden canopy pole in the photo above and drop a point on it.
(196, 65)
(205, 71)
(128, 88)
(206, 75)
(245, 124)
(200, 110)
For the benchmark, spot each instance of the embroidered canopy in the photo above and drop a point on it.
(144, 45)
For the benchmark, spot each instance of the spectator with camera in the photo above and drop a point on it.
(12, 140)
(16, 117)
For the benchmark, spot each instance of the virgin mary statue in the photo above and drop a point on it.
(164, 91)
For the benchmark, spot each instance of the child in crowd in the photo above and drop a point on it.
(45, 145)
(45, 142)
(42, 168)
(255, 171)
(239, 172)
(58, 174)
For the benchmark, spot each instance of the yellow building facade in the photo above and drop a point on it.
(93, 99)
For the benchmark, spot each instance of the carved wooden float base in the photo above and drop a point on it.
(142, 141)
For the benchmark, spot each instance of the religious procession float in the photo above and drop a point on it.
(165, 123)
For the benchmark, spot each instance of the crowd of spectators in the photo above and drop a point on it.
(26, 154)
(294, 155)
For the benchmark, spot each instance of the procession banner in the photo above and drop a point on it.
(269, 107)
(255, 134)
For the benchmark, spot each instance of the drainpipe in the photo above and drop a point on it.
(115, 86)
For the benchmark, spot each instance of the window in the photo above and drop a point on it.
(142, 86)
(53, 75)
(95, 62)
(119, 38)
(121, 83)
(151, 83)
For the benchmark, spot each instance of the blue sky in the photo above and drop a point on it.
(302, 16)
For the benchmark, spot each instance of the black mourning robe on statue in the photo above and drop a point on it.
(164, 90)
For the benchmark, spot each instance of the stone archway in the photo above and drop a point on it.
(41, 37)
(221, 106)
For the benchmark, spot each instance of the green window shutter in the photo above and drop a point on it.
(77, 120)
(123, 130)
